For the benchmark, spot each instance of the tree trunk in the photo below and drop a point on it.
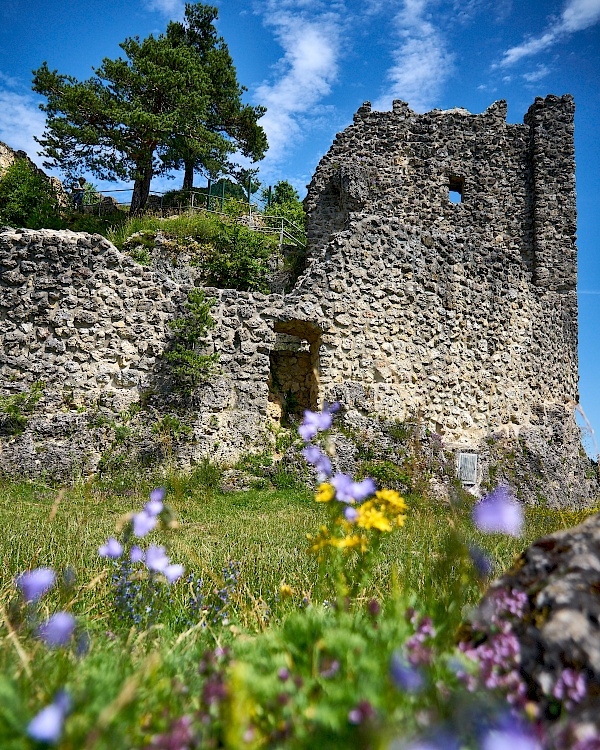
(141, 189)
(188, 176)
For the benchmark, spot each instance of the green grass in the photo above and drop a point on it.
(132, 685)
(265, 530)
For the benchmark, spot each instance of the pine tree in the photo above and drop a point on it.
(123, 122)
(233, 124)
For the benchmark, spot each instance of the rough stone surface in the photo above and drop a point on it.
(560, 627)
(462, 316)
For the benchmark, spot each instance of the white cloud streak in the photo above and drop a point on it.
(20, 120)
(576, 15)
(173, 9)
(303, 77)
(536, 75)
(422, 62)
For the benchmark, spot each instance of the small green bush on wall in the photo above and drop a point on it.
(189, 368)
(27, 198)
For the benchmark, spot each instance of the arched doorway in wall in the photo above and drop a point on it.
(294, 370)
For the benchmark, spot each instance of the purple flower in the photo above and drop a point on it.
(570, 687)
(156, 558)
(347, 490)
(136, 553)
(512, 738)
(441, 740)
(362, 712)
(143, 522)
(482, 563)
(320, 461)
(404, 675)
(498, 512)
(314, 422)
(112, 548)
(57, 630)
(350, 514)
(34, 583)
(155, 504)
(173, 572)
(46, 726)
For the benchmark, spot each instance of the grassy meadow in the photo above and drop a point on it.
(216, 670)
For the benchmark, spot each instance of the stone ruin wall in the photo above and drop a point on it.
(462, 314)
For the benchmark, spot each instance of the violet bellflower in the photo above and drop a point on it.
(33, 584)
(509, 738)
(317, 459)
(57, 630)
(350, 514)
(143, 523)
(348, 491)
(155, 505)
(314, 422)
(136, 553)
(173, 572)
(498, 512)
(47, 725)
(112, 549)
(405, 676)
(156, 558)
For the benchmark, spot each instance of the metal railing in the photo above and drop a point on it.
(288, 232)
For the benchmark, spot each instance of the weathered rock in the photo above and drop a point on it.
(558, 580)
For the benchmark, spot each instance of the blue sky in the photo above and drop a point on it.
(313, 63)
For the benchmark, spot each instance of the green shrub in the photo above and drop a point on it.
(207, 475)
(238, 259)
(188, 367)
(27, 198)
(293, 211)
(14, 410)
(234, 257)
(385, 473)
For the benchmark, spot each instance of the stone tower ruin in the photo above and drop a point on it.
(463, 228)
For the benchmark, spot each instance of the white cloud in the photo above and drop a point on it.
(173, 9)
(576, 15)
(536, 75)
(305, 74)
(20, 120)
(422, 62)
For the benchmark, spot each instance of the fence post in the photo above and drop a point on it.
(208, 195)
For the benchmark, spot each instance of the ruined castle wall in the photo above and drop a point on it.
(461, 314)
(440, 307)
(92, 324)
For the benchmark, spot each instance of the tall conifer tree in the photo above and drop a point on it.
(124, 121)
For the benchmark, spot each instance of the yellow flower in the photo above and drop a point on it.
(285, 590)
(391, 498)
(325, 493)
(370, 517)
